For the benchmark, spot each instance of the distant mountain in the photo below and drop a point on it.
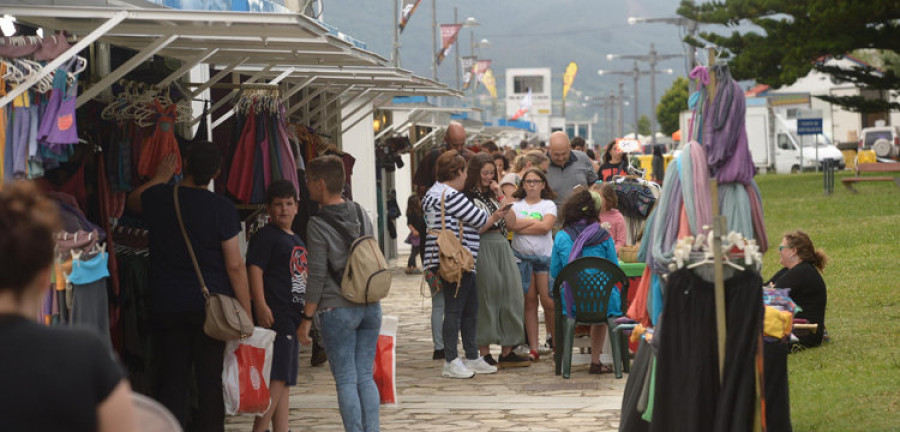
(530, 33)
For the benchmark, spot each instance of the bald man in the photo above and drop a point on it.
(568, 168)
(454, 139)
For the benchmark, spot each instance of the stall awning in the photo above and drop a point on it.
(280, 45)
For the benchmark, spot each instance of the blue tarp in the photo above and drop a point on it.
(519, 124)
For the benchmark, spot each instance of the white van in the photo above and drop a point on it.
(816, 148)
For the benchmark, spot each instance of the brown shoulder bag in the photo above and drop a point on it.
(225, 319)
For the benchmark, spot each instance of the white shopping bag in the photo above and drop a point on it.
(245, 376)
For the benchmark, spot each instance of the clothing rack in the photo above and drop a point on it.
(719, 226)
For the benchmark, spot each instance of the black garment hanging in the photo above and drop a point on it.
(688, 395)
(630, 416)
(778, 398)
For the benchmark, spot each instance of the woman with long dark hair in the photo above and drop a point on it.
(500, 299)
(615, 162)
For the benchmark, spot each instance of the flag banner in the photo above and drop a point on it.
(569, 78)
(524, 106)
(468, 67)
(479, 69)
(490, 83)
(448, 38)
(409, 7)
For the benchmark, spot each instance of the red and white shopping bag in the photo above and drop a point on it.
(245, 376)
(385, 369)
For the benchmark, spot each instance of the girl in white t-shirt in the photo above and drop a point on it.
(533, 244)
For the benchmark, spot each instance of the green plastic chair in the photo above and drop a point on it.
(591, 280)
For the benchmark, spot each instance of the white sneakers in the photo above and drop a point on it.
(466, 369)
(456, 369)
(480, 366)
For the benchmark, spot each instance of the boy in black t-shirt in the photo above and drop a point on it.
(277, 269)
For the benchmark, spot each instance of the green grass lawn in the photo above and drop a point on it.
(853, 382)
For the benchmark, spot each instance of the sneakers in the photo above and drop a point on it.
(480, 366)
(490, 360)
(513, 360)
(544, 350)
(438, 355)
(456, 369)
(535, 356)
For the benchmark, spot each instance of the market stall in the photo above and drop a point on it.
(118, 88)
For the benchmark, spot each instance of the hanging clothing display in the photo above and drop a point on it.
(262, 152)
(689, 396)
(38, 129)
(161, 144)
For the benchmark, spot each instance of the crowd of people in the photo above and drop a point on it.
(519, 221)
(521, 218)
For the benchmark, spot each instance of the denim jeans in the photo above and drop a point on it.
(529, 264)
(437, 320)
(460, 316)
(351, 335)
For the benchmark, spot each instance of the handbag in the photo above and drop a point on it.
(225, 319)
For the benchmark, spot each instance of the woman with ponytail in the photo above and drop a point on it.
(803, 264)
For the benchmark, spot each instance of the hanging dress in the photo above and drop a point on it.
(240, 176)
(161, 143)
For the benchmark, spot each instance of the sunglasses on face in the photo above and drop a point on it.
(533, 182)
(780, 248)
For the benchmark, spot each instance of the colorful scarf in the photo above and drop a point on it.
(584, 235)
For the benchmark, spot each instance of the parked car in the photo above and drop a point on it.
(883, 140)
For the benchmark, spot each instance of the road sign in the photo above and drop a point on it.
(809, 113)
(809, 126)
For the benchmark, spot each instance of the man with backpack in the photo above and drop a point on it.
(339, 239)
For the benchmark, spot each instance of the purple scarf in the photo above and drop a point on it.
(584, 235)
(724, 133)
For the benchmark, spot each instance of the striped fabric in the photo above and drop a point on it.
(457, 207)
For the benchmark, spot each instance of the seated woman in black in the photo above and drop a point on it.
(801, 273)
(615, 162)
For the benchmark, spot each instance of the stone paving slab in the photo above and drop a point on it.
(531, 399)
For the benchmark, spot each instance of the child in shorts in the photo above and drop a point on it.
(277, 270)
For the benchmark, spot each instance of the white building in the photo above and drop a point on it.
(536, 80)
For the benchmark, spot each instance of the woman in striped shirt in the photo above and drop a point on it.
(460, 302)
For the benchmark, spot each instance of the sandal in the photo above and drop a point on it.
(599, 368)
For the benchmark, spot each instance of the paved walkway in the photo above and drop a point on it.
(517, 399)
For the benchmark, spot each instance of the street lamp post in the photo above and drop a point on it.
(635, 73)
(689, 25)
(434, 30)
(395, 54)
(653, 58)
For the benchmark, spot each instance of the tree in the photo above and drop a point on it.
(799, 35)
(673, 102)
(643, 125)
